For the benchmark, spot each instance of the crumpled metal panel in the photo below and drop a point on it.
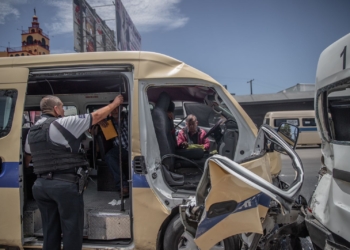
(108, 225)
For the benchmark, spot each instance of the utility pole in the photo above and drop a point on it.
(251, 86)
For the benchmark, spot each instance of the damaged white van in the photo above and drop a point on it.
(161, 176)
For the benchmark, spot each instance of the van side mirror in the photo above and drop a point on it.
(289, 133)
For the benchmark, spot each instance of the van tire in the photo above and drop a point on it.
(175, 230)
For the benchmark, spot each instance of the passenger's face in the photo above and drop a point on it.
(192, 126)
(59, 109)
(115, 113)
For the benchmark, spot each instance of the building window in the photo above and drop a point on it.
(11, 55)
(35, 50)
(29, 40)
(43, 53)
(17, 55)
(27, 54)
(32, 31)
(22, 54)
(43, 42)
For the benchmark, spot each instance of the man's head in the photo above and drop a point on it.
(52, 105)
(192, 124)
(115, 112)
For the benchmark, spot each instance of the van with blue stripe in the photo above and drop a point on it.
(304, 119)
(235, 182)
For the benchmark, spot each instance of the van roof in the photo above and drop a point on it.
(295, 113)
(147, 65)
(332, 66)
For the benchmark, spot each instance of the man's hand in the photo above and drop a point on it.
(102, 113)
(184, 144)
(119, 99)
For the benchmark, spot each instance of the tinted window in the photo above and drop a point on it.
(293, 121)
(7, 108)
(309, 122)
(267, 121)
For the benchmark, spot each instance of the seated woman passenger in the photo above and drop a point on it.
(192, 134)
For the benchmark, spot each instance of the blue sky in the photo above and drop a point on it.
(275, 42)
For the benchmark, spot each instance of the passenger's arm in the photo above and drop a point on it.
(102, 113)
(206, 143)
(181, 140)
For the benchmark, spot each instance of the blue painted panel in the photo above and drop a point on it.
(139, 181)
(252, 202)
(9, 176)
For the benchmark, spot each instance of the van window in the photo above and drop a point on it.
(267, 121)
(33, 115)
(179, 113)
(8, 99)
(309, 122)
(292, 121)
(70, 110)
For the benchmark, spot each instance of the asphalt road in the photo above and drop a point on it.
(311, 159)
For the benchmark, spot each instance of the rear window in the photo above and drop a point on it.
(292, 121)
(309, 122)
(179, 113)
(8, 99)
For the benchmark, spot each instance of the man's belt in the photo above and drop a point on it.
(69, 177)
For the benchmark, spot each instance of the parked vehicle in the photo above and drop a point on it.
(304, 119)
(161, 177)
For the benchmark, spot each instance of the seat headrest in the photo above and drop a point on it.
(163, 101)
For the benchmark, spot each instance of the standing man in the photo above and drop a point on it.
(192, 134)
(112, 156)
(53, 144)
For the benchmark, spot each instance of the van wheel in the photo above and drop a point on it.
(176, 238)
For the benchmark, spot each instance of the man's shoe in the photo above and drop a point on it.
(125, 192)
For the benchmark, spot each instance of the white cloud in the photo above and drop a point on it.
(147, 15)
(62, 22)
(7, 8)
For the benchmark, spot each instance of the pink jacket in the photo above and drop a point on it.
(182, 137)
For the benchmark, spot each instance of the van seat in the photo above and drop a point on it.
(172, 162)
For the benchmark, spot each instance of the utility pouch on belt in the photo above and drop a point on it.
(83, 179)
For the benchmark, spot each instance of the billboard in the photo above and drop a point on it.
(90, 32)
(128, 38)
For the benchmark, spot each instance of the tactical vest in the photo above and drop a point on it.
(50, 157)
